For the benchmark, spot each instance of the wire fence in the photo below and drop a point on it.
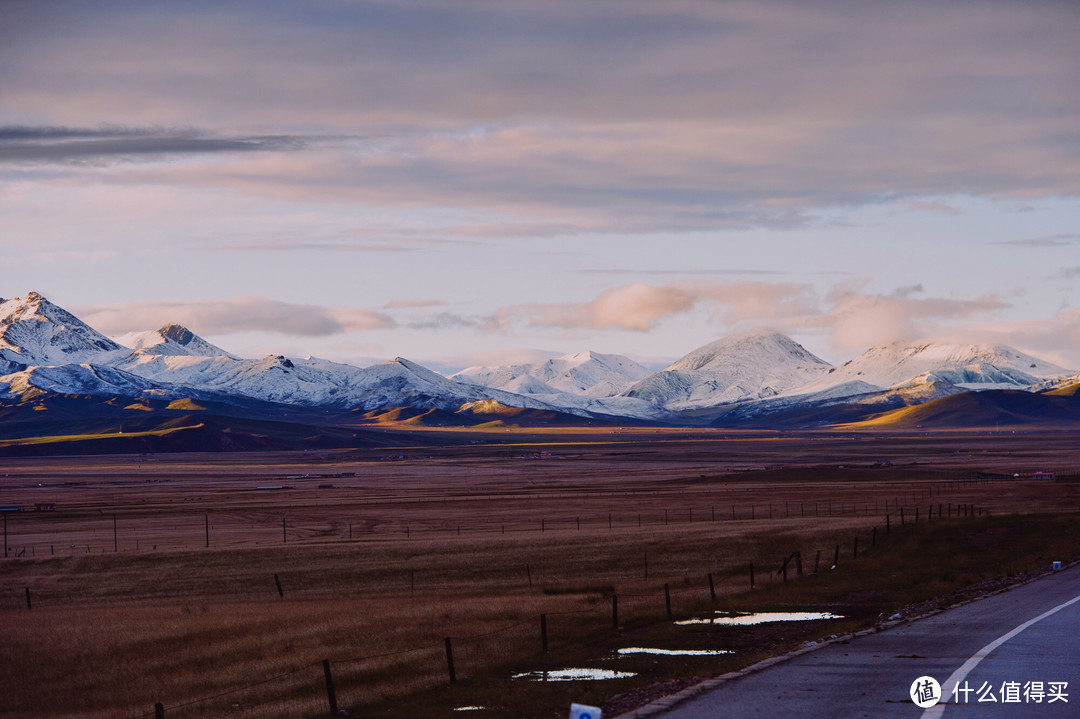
(313, 687)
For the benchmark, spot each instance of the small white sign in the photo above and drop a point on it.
(580, 711)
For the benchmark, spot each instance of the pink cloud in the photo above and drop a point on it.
(232, 315)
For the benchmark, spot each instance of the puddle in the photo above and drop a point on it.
(746, 619)
(676, 652)
(574, 675)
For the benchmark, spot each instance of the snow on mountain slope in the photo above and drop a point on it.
(748, 366)
(586, 374)
(171, 339)
(34, 331)
(966, 366)
(83, 379)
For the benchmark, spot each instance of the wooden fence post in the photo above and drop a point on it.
(817, 561)
(278, 583)
(28, 605)
(450, 661)
(901, 515)
(712, 587)
(751, 575)
(159, 711)
(667, 598)
(331, 695)
(798, 563)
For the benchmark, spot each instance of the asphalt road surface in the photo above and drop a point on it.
(1016, 647)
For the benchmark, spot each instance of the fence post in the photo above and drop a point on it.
(278, 583)
(615, 611)
(712, 587)
(543, 632)
(798, 563)
(28, 606)
(783, 568)
(888, 524)
(751, 575)
(450, 661)
(901, 515)
(836, 557)
(817, 561)
(331, 695)
(667, 598)
(916, 515)
(528, 573)
(159, 711)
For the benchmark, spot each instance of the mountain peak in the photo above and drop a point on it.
(34, 331)
(177, 333)
(173, 340)
(756, 364)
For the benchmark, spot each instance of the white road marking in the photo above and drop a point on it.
(950, 684)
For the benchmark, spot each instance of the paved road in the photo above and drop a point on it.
(871, 676)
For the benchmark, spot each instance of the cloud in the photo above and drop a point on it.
(446, 321)
(854, 318)
(410, 304)
(937, 208)
(1046, 241)
(233, 315)
(565, 117)
(37, 145)
(858, 320)
(640, 307)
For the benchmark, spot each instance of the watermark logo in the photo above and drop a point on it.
(925, 692)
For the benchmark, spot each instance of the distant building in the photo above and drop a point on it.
(1043, 475)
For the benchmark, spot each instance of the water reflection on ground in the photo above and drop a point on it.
(746, 619)
(573, 675)
(676, 652)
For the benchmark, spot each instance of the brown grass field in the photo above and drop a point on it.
(476, 540)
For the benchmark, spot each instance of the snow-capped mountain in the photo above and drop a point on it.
(49, 349)
(34, 331)
(45, 349)
(959, 366)
(587, 374)
(170, 340)
(748, 366)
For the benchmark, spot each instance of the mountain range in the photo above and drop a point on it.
(760, 378)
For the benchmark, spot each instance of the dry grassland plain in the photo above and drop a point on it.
(156, 578)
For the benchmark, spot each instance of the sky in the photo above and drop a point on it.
(477, 182)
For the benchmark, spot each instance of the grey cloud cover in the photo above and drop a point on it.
(658, 116)
(45, 144)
